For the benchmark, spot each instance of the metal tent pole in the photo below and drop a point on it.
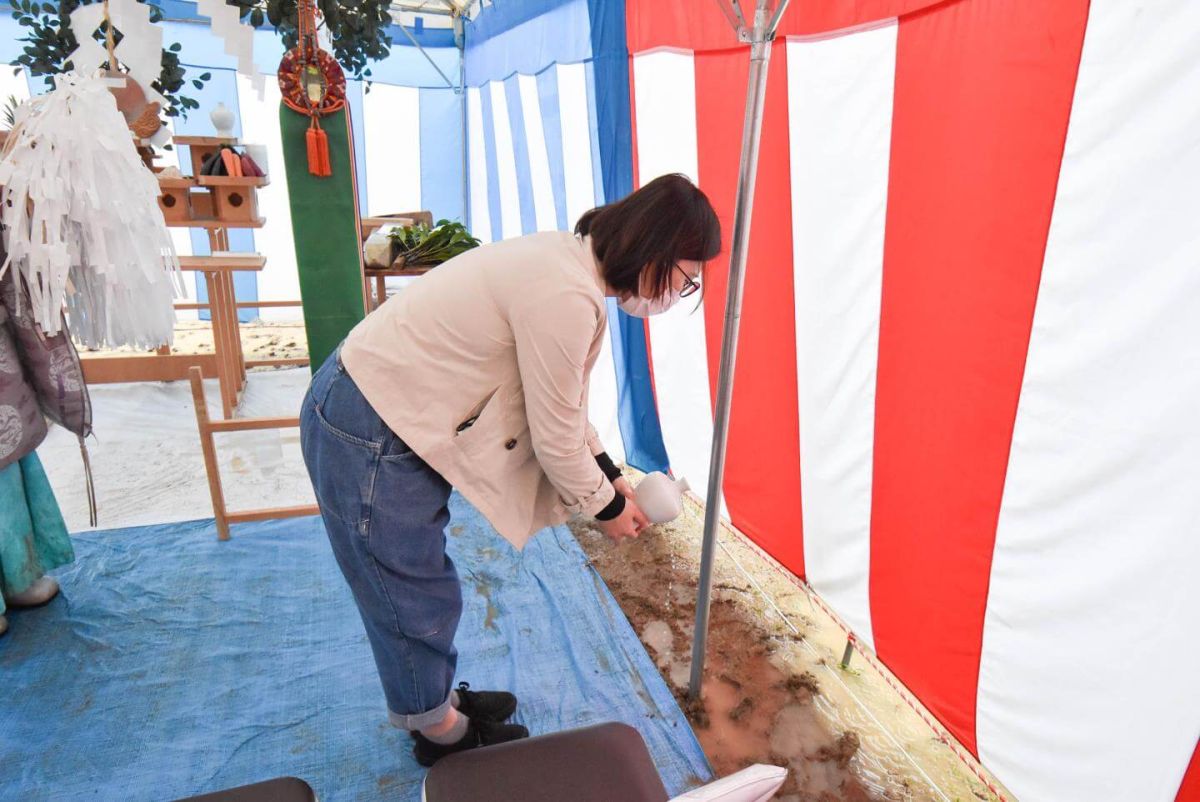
(760, 38)
(460, 39)
(429, 58)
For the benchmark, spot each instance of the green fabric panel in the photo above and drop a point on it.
(323, 227)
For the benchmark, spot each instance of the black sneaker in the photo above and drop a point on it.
(479, 733)
(485, 705)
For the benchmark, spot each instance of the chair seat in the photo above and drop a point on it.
(601, 763)
(283, 789)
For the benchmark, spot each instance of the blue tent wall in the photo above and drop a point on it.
(532, 38)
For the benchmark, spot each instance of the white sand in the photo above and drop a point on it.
(146, 456)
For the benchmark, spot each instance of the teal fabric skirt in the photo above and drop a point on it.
(33, 535)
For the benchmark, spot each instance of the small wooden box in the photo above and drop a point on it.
(201, 146)
(202, 204)
(175, 200)
(235, 198)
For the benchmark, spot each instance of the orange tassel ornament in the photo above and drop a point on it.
(318, 150)
(312, 83)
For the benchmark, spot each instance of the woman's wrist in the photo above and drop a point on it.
(608, 466)
(613, 510)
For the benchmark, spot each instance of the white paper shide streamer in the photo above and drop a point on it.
(82, 223)
(237, 36)
(140, 49)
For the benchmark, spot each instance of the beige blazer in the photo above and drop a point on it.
(481, 366)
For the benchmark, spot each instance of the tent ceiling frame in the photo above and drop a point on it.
(760, 37)
(773, 25)
(424, 8)
(439, 8)
(449, 84)
(732, 10)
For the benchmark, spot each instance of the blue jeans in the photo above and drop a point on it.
(385, 512)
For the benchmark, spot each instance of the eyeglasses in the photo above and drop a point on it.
(690, 285)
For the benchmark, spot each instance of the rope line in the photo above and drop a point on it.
(905, 694)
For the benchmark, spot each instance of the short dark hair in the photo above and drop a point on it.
(665, 221)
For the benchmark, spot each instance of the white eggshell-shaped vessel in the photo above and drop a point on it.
(661, 497)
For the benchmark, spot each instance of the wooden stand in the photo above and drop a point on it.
(216, 204)
(375, 279)
(377, 282)
(176, 199)
(207, 429)
(227, 336)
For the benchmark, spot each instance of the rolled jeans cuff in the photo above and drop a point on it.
(419, 721)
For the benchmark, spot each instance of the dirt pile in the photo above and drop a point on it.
(755, 707)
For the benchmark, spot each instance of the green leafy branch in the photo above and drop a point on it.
(10, 112)
(357, 28)
(421, 245)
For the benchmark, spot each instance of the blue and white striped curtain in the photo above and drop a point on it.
(548, 139)
(533, 152)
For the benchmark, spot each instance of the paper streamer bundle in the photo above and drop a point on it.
(82, 222)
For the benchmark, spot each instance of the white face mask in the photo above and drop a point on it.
(638, 306)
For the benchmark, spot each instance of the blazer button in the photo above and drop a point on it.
(510, 445)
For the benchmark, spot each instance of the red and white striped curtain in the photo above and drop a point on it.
(969, 372)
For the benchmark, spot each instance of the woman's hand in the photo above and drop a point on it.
(629, 523)
(623, 487)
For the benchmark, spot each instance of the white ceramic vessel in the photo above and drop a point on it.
(223, 120)
(661, 497)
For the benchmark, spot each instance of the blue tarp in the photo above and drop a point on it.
(173, 664)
